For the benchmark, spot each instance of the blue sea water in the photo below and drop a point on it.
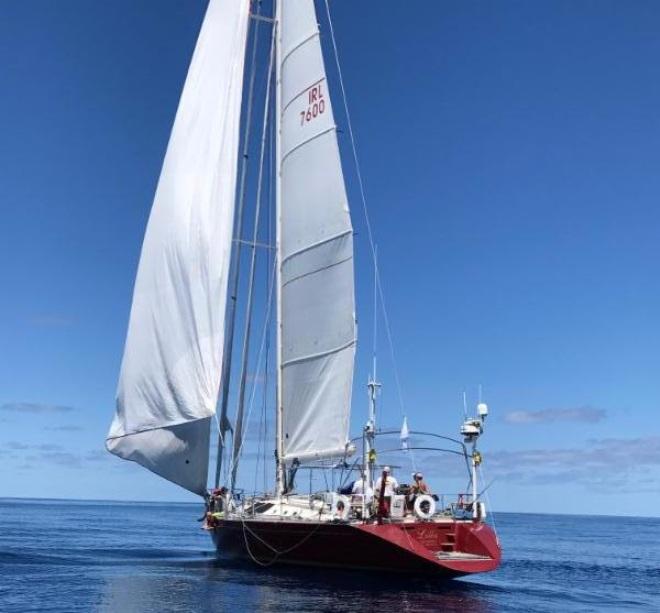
(94, 556)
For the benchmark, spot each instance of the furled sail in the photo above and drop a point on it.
(316, 250)
(170, 372)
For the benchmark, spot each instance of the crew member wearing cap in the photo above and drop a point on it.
(417, 489)
(386, 489)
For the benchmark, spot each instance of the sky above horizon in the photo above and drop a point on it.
(509, 152)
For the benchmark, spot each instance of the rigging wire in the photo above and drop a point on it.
(490, 506)
(229, 340)
(264, 344)
(363, 197)
(238, 426)
(263, 424)
(271, 208)
(264, 335)
(276, 553)
(372, 243)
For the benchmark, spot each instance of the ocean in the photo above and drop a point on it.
(129, 557)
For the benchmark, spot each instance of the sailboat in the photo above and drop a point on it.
(176, 368)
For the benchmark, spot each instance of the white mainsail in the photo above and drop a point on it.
(170, 373)
(317, 303)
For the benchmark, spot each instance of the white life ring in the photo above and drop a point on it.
(341, 507)
(419, 511)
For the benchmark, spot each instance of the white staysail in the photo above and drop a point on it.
(170, 372)
(317, 303)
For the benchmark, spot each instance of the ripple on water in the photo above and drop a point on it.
(101, 557)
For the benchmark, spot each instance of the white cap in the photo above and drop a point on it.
(387, 469)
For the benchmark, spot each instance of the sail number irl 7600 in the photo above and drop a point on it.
(315, 105)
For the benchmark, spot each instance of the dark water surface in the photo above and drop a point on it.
(91, 556)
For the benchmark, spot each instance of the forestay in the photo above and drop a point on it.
(316, 250)
(170, 372)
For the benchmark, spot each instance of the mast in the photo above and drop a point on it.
(471, 430)
(223, 421)
(372, 385)
(279, 448)
(315, 293)
(238, 433)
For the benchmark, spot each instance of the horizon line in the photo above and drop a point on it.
(181, 502)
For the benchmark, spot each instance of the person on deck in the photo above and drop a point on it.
(385, 488)
(217, 500)
(361, 488)
(215, 507)
(418, 488)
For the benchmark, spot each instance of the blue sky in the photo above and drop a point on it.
(510, 155)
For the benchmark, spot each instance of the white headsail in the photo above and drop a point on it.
(170, 373)
(317, 309)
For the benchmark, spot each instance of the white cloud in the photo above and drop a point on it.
(611, 465)
(35, 407)
(579, 414)
(34, 455)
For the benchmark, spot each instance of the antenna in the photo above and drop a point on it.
(465, 404)
(482, 407)
(369, 458)
(375, 308)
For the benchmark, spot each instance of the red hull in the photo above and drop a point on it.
(451, 549)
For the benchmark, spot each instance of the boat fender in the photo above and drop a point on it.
(341, 507)
(481, 511)
(420, 503)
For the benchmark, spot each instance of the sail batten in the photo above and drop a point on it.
(318, 244)
(317, 305)
(170, 373)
